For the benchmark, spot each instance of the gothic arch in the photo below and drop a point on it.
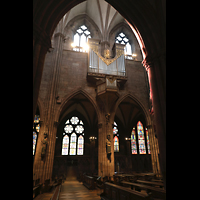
(66, 98)
(140, 14)
(83, 18)
(140, 104)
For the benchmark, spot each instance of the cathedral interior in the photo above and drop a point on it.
(99, 89)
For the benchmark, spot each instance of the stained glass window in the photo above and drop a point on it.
(79, 129)
(36, 129)
(80, 38)
(34, 141)
(141, 139)
(73, 137)
(123, 39)
(74, 120)
(80, 145)
(65, 145)
(73, 144)
(148, 145)
(68, 128)
(115, 139)
(116, 144)
(115, 130)
(133, 142)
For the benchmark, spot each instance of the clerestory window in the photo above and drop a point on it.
(81, 38)
(123, 39)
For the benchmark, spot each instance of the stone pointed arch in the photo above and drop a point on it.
(140, 104)
(69, 96)
(79, 20)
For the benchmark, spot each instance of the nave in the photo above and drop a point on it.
(133, 186)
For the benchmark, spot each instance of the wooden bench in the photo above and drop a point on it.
(156, 192)
(36, 182)
(48, 186)
(88, 181)
(37, 190)
(56, 192)
(116, 192)
(151, 183)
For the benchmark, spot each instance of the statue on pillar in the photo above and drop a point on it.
(44, 146)
(108, 147)
(107, 117)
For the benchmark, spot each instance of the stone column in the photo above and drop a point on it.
(154, 150)
(106, 161)
(45, 165)
(156, 68)
(41, 44)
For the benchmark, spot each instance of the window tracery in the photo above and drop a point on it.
(123, 39)
(81, 38)
(73, 137)
(141, 141)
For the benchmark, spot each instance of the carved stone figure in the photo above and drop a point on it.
(107, 117)
(108, 147)
(44, 145)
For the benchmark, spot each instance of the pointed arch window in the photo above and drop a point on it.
(80, 145)
(65, 145)
(116, 137)
(73, 144)
(141, 139)
(123, 39)
(133, 142)
(148, 144)
(116, 144)
(34, 141)
(81, 38)
(73, 137)
(36, 129)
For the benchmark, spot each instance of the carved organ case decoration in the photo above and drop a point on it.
(106, 64)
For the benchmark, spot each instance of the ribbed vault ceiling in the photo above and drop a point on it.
(102, 13)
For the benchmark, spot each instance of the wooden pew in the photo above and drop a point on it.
(151, 183)
(88, 181)
(56, 192)
(36, 182)
(156, 192)
(48, 186)
(37, 190)
(116, 192)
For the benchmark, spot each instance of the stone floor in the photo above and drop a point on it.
(73, 189)
(76, 190)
